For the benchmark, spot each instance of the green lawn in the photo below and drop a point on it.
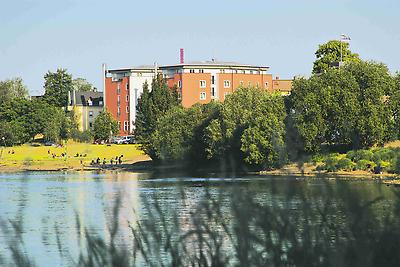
(41, 156)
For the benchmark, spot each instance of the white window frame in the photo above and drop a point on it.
(227, 84)
(179, 84)
(203, 84)
(127, 109)
(203, 95)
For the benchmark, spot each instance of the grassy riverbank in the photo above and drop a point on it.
(70, 156)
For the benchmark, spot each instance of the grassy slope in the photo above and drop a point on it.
(29, 157)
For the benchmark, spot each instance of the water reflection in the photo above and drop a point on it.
(47, 205)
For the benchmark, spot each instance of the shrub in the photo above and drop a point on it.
(357, 155)
(345, 164)
(365, 165)
(382, 154)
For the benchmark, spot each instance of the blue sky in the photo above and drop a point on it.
(41, 35)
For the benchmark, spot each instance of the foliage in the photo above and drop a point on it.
(11, 89)
(346, 106)
(82, 85)
(152, 105)
(329, 54)
(249, 128)
(178, 133)
(13, 133)
(105, 126)
(57, 85)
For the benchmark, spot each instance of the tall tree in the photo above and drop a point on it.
(330, 53)
(11, 89)
(105, 126)
(347, 106)
(57, 85)
(81, 84)
(152, 106)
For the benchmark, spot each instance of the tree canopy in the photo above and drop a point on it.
(57, 85)
(105, 126)
(11, 89)
(345, 106)
(328, 55)
(81, 84)
(152, 105)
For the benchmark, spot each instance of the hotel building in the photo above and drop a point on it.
(197, 82)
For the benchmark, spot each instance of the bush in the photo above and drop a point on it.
(382, 154)
(357, 155)
(331, 164)
(83, 137)
(345, 164)
(365, 165)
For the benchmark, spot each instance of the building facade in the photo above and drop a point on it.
(86, 106)
(197, 82)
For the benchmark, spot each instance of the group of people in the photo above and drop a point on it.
(116, 160)
(54, 155)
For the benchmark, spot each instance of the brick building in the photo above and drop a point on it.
(197, 82)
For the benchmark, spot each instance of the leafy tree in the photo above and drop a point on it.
(346, 106)
(105, 126)
(81, 84)
(395, 107)
(249, 128)
(329, 53)
(11, 89)
(57, 85)
(13, 132)
(178, 133)
(152, 106)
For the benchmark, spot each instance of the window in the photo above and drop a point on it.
(127, 98)
(127, 86)
(201, 71)
(213, 91)
(202, 84)
(90, 125)
(90, 113)
(202, 95)
(118, 88)
(222, 71)
(236, 71)
(127, 109)
(251, 72)
(126, 126)
(266, 84)
(191, 70)
(179, 84)
(212, 79)
(119, 100)
(119, 112)
(227, 84)
(241, 83)
(100, 103)
(243, 71)
(119, 125)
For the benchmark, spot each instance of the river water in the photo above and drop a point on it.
(50, 212)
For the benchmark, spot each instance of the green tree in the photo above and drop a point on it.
(249, 129)
(11, 89)
(395, 107)
(152, 106)
(13, 132)
(57, 85)
(178, 134)
(81, 84)
(105, 126)
(346, 106)
(328, 54)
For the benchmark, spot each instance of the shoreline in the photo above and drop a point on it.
(144, 164)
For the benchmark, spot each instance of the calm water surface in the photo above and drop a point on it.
(44, 204)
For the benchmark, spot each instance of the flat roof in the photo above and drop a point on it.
(212, 64)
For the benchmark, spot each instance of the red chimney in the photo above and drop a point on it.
(182, 56)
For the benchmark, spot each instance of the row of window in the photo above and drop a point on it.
(203, 95)
(119, 88)
(223, 71)
(227, 84)
(126, 126)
